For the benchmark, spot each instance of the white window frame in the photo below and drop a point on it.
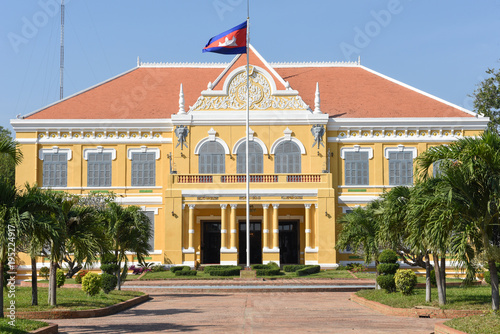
(55, 150)
(356, 149)
(403, 149)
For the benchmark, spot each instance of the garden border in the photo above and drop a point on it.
(414, 312)
(74, 314)
(50, 329)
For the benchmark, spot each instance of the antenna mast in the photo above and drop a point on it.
(61, 60)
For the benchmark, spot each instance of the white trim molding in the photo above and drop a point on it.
(143, 149)
(356, 148)
(211, 137)
(99, 149)
(356, 199)
(54, 149)
(400, 148)
(139, 200)
(288, 137)
(254, 139)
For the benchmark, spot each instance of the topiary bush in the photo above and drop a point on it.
(388, 256)
(108, 282)
(405, 280)
(91, 284)
(209, 269)
(186, 273)
(387, 268)
(179, 268)
(386, 282)
(60, 278)
(272, 264)
(291, 268)
(80, 275)
(308, 270)
(44, 272)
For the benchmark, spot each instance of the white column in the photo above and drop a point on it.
(233, 226)
(308, 225)
(191, 225)
(223, 230)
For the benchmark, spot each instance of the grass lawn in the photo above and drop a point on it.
(478, 324)
(73, 299)
(332, 274)
(67, 281)
(421, 279)
(21, 326)
(457, 298)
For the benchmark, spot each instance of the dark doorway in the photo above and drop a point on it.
(210, 242)
(289, 242)
(255, 242)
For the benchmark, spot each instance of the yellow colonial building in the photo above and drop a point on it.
(170, 138)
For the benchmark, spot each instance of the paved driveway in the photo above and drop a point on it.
(273, 312)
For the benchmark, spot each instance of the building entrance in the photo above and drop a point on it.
(210, 242)
(255, 242)
(289, 241)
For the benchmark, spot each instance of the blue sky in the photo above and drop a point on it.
(441, 47)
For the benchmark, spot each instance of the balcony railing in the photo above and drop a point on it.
(255, 178)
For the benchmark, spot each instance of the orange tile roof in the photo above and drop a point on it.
(153, 92)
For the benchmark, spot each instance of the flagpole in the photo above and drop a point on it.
(248, 130)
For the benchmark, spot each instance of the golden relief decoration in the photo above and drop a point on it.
(260, 96)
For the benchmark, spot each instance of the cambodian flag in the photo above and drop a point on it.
(233, 41)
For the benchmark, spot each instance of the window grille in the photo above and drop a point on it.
(211, 158)
(356, 168)
(400, 168)
(55, 169)
(287, 158)
(143, 169)
(99, 170)
(255, 158)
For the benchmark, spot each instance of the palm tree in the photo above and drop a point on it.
(11, 148)
(128, 230)
(470, 170)
(359, 232)
(36, 228)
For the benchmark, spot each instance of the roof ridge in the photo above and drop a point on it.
(316, 64)
(181, 64)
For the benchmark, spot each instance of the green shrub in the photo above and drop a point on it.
(186, 273)
(110, 268)
(433, 277)
(179, 268)
(308, 270)
(268, 272)
(60, 278)
(487, 277)
(44, 272)
(157, 268)
(209, 269)
(272, 265)
(388, 268)
(259, 266)
(79, 275)
(386, 282)
(91, 284)
(108, 282)
(388, 256)
(405, 280)
(291, 268)
(233, 271)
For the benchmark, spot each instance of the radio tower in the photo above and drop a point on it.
(61, 69)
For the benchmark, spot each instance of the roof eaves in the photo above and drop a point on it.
(80, 92)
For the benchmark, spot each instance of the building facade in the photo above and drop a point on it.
(171, 138)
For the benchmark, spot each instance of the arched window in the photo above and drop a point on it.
(255, 158)
(287, 158)
(212, 158)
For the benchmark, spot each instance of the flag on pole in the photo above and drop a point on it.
(232, 41)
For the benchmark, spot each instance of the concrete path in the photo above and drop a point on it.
(272, 312)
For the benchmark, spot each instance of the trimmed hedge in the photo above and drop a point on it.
(308, 270)
(234, 271)
(387, 282)
(179, 268)
(259, 266)
(108, 282)
(186, 273)
(291, 268)
(388, 268)
(268, 272)
(79, 276)
(388, 256)
(209, 269)
(406, 281)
